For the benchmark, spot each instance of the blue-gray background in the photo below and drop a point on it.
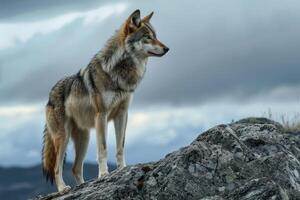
(227, 60)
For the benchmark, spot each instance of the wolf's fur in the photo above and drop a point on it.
(98, 93)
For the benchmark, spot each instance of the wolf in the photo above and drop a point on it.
(98, 93)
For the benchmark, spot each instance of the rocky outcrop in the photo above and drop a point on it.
(250, 159)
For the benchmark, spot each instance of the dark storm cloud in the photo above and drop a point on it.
(11, 10)
(48, 63)
(227, 49)
(239, 51)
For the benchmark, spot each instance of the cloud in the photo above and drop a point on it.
(52, 56)
(21, 138)
(151, 133)
(12, 10)
(19, 110)
(228, 53)
(10, 34)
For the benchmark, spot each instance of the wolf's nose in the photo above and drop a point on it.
(166, 49)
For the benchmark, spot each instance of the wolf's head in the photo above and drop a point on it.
(140, 37)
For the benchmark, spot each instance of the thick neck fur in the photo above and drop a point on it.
(112, 53)
(125, 67)
(115, 51)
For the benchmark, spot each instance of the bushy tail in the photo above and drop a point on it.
(48, 156)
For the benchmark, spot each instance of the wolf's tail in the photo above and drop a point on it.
(48, 156)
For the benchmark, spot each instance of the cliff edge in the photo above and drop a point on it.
(253, 158)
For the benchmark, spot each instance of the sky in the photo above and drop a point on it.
(227, 60)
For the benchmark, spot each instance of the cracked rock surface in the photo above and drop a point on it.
(250, 159)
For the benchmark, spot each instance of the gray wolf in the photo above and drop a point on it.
(98, 93)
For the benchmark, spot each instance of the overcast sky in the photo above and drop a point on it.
(227, 60)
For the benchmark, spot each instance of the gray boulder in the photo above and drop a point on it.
(250, 159)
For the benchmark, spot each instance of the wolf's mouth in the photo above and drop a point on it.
(155, 54)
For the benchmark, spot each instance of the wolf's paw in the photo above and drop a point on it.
(121, 165)
(64, 189)
(103, 174)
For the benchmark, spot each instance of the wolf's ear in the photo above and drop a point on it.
(148, 17)
(135, 19)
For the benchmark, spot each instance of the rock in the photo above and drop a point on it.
(250, 159)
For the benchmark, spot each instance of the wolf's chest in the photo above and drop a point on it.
(128, 73)
(112, 98)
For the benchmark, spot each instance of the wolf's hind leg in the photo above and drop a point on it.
(81, 140)
(61, 142)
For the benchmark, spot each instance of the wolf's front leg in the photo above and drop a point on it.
(120, 123)
(101, 133)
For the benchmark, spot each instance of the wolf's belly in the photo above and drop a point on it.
(81, 111)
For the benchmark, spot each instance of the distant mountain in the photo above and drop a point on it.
(23, 183)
